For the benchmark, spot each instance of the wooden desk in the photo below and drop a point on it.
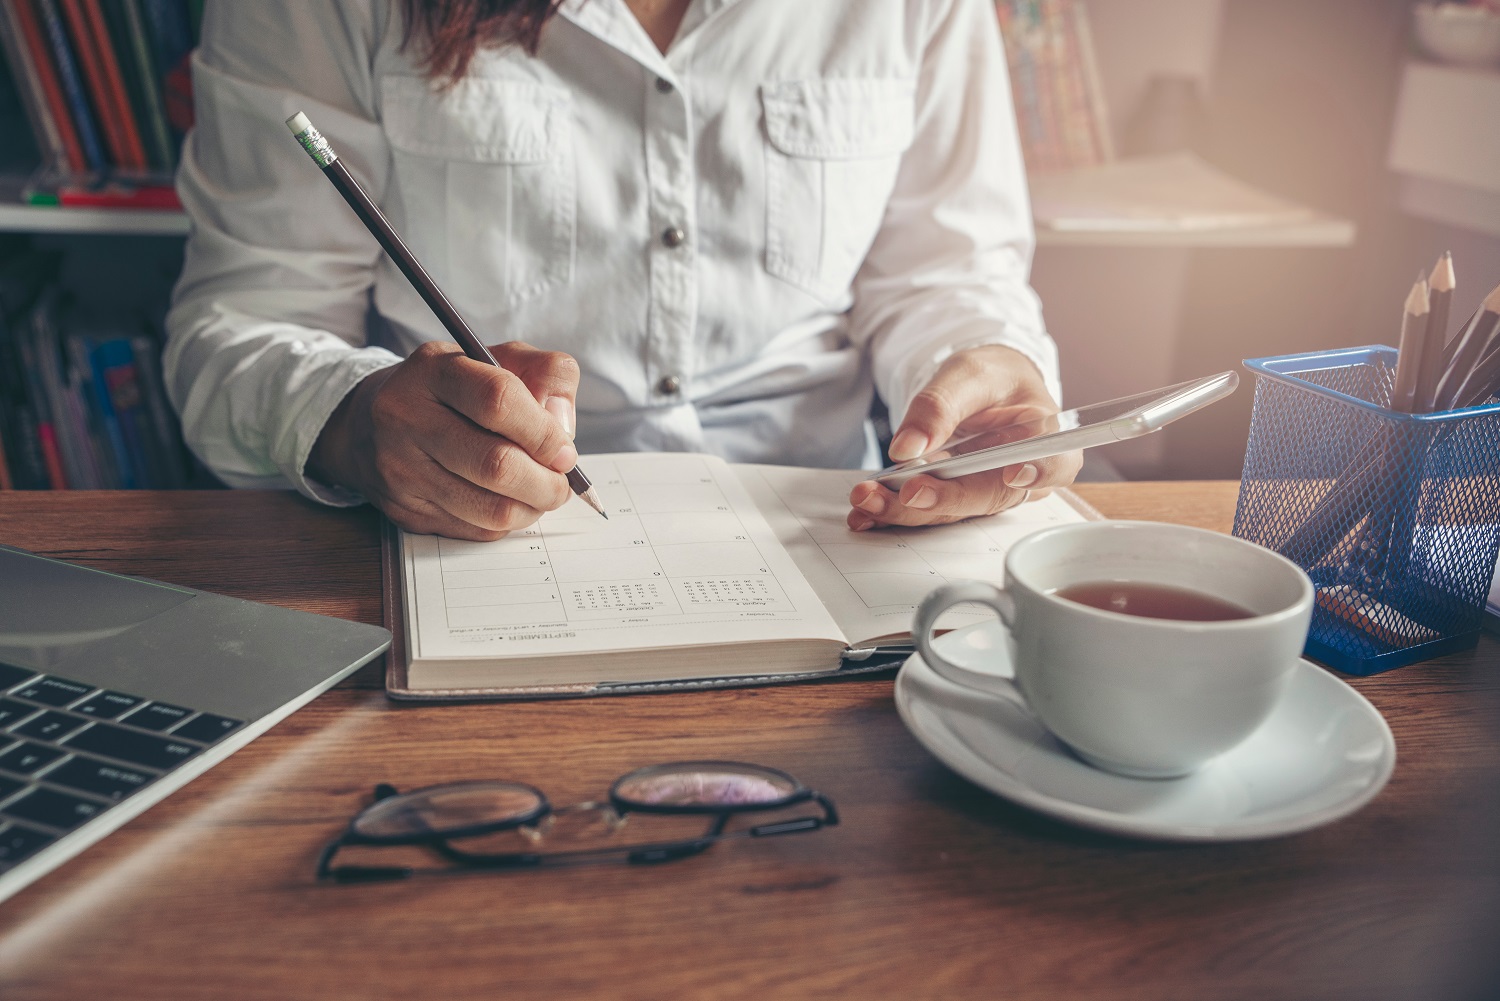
(930, 888)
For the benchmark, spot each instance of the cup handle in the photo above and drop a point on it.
(944, 598)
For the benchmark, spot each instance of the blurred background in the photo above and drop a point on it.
(1213, 180)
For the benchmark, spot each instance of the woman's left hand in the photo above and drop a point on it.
(975, 390)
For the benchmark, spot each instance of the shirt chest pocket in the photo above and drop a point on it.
(487, 176)
(833, 149)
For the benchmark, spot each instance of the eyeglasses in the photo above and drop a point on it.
(437, 816)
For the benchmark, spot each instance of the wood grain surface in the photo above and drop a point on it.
(930, 888)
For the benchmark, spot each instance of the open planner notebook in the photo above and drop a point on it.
(705, 574)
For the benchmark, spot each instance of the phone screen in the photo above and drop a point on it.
(1098, 415)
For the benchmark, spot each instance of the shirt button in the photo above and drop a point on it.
(663, 85)
(673, 237)
(668, 385)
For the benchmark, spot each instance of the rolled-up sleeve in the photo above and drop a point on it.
(950, 268)
(266, 334)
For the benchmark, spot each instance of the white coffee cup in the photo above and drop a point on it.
(1144, 697)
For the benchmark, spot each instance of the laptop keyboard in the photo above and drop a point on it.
(70, 751)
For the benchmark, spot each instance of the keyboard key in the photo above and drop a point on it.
(9, 787)
(53, 691)
(138, 748)
(99, 777)
(54, 809)
(11, 711)
(207, 728)
(157, 716)
(11, 676)
(26, 759)
(108, 705)
(50, 725)
(17, 843)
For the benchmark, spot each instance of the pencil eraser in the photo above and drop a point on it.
(298, 123)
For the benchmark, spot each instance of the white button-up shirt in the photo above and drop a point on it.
(739, 239)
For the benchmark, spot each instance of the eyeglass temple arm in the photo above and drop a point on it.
(359, 873)
(830, 818)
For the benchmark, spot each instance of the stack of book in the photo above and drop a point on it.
(81, 399)
(106, 89)
(1055, 84)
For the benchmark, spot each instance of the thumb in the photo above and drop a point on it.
(958, 391)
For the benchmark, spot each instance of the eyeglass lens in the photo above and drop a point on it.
(460, 807)
(703, 783)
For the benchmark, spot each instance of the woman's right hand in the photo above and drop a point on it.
(445, 445)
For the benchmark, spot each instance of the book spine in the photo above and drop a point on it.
(46, 437)
(28, 87)
(91, 68)
(1079, 132)
(1023, 81)
(111, 424)
(115, 368)
(83, 377)
(166, 435)
(108, 53)
(6, 482)
(171, 34)
(1039, 54)
(1093, 85)
(31, 467)
(78, 415)
(72, 85)
(49, 375)
(34, 40)
(148, 85)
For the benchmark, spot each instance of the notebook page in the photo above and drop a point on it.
(872, 581)
(685, 559)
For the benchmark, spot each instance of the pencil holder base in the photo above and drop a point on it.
(1338, 658)
(1394, 516)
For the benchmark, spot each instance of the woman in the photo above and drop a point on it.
(723, 224)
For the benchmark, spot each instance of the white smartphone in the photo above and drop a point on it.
(1085, 427)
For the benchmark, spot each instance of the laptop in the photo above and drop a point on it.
(115, 691)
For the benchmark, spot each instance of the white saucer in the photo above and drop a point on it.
(1323, 753)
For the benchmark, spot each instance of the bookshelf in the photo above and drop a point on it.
(18, 217)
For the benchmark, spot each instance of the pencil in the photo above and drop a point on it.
(1479, 340)
(1441, 283)
(375, 221)
(1409, 354)
(1482, 383)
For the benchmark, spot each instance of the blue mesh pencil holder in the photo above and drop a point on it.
(1394, 516)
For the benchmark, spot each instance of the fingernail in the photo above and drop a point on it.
(859, 523)
(924, 498)
(1025, 476)
(874, 503)
(566, 459)
(562, 409)
(908, 444)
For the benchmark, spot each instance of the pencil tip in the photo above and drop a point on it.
(1443, 278)
(1416, 300)
(591, 498)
